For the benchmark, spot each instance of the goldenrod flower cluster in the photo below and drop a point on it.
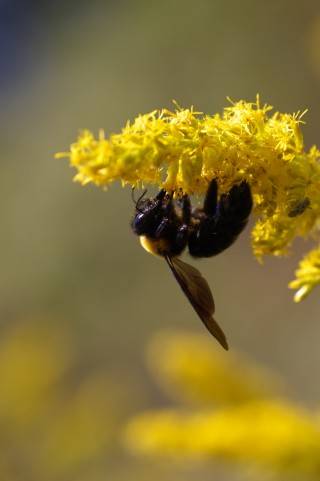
(255, 426)
(183, 363)
(63, 425)
(183, 150)
(308, 275)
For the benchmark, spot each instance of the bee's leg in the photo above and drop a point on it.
(234, 209)
(202, 238)
(180, 239)
(211, 199)
(213, 235)
(235, 206)
(165, 224)
(175, 229)
(210, 203)
(163, 229)
(186, 209)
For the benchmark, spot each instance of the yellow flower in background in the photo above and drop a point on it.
(188, 367)
(252, 427)
(271, 435)
(33, 360)
(81, 427)
(182, 150)
(56, 416)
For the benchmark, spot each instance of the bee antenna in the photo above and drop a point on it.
(136, 202)
(132, 196)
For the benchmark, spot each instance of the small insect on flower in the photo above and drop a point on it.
(167, 226)
(299, 207)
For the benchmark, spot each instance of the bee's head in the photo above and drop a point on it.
(149, 213)
(145, 204)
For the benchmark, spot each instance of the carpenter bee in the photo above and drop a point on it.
(167, 227)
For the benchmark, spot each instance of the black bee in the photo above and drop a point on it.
(167, 227)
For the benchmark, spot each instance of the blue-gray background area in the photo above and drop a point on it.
(69, 258)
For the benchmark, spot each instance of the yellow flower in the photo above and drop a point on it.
(189, 367)
(183, 150)
(237, 419)
(308, 275)
(267, 434)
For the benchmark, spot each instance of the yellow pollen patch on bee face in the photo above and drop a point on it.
(157, 247)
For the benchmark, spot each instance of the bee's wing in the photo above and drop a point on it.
(199, 294)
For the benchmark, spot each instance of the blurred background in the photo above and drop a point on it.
(79, 298)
